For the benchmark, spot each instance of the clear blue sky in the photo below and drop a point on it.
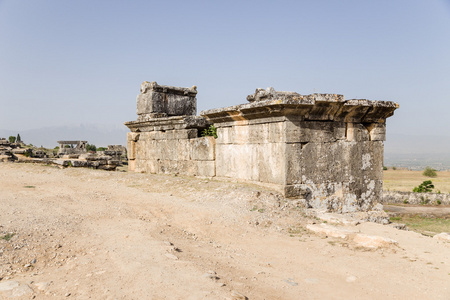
(74, 62)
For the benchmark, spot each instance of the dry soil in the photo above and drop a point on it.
(90, 234)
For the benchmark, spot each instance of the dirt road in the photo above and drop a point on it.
(90, 234)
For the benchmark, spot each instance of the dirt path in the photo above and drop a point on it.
(89, 234)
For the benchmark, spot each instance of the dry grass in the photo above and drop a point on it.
(405, 181)
(424, 225)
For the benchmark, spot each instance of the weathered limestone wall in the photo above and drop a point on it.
(253, 152)
(172, 152)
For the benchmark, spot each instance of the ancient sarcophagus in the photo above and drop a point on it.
(319, 147)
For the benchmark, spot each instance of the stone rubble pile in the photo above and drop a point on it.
(109, 159)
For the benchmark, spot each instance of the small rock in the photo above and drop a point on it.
(27, 266)
(235, 295)
(291, 282)
(8, 285)
(398, 226)
(171, 256)
(377, 207)
(33, 261)
(443, 236)
(329, 230)
(373, 241)
(311, 280)
(351, 278)
(210, 276)
(67, 294)
(42, 286)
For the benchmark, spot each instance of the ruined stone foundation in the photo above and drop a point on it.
(319, 147)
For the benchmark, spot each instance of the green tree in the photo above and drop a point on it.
(90, 147)
(12, 139)
(424, 187)
(18, 139)
(429, 172)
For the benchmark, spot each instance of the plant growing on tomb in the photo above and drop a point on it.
(210, 131)
(424, 187)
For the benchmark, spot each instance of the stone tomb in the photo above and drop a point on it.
(319, 147)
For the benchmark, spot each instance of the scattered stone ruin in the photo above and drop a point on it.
(72, 147)
(11, 151)
(319, 147)
(75, 155)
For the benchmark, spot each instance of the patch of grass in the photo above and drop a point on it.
(296, 230)
(7, 236)
(29, 186)
(424, 225)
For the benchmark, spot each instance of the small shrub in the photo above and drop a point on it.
(8, 236)
(424, 201)
(424, 187)
(101, 149)
(12, 139)
(210, 131)
(394, 168)
(90, 147)
(385, 168)
(405, 201)
(439, 202)
(429, 172)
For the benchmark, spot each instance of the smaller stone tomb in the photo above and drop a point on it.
(72, 147)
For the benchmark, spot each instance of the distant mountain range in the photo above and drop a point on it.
(416, 152)
(99, 135)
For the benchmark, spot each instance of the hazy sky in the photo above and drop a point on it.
(74, 62)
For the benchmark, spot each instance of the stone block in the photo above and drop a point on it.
(373, 241)
(224, 135)
(188, 167)
(131, 165)
(269, 163)
(202, 148)
(166, 103)
(294, 165)
(357, 132)
(79, 163)
(314, 131)
(237, 161)
(240, 135)
(206, 168)
(377, 131)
